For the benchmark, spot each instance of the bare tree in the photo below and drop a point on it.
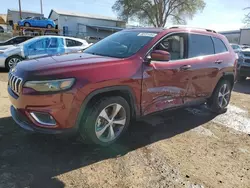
(247, 16)
(158, 12)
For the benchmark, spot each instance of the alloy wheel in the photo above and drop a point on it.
(13, 62)
(110, 122)
(224, 96)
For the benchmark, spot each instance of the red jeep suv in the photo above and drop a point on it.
(132, 73)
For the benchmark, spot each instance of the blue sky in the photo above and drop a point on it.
(219, 14)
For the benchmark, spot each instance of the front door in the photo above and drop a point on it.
(165, 83)
(37, 49)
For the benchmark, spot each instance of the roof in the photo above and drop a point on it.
(3, 17)
(230, 32)
(105, 28)
(25, 11)
(69, 13)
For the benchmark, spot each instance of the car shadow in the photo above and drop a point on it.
(242, 87)
(3, 70)
(34, 160)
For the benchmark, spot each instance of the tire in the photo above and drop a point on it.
(93, 120)
(220, 99)
(12, 61)
(49, 26)
(26, 24)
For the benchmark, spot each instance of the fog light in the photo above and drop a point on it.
(43, 118)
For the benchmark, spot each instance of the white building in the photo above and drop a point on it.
(241, 36)
(85, 25)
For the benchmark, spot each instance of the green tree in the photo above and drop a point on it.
(158, 12)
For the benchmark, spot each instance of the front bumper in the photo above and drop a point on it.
(24, 123)
(2, 60)
(60, 106)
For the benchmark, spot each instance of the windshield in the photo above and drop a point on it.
(121, 44)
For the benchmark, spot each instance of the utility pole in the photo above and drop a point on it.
(20, 9)
(41, 3)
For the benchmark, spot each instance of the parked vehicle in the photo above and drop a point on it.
(243, 67)
(245, 46)
(37, 22)
(39, 47)
(132, 73)
(13, 41)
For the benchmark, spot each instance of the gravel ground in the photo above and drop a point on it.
(184, 148)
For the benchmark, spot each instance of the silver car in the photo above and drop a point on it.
(40, 47)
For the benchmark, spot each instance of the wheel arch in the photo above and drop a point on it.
(225, 76)
(14, 55)
(124, 91)
(228, 76)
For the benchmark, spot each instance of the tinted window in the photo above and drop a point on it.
(72, 43)
(200, 45)
(220, 47)
(121, 44)
(175, 45)
(19, 40)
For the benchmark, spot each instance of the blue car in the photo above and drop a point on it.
(37, 22)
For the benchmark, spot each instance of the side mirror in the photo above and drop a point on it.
(160, 55)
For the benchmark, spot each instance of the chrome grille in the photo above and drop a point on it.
(247, 60)
(15, 83)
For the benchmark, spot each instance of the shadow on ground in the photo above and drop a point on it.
(242, 87)
(3, 70)
(34, 160)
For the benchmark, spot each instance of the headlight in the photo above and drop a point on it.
(50, 85)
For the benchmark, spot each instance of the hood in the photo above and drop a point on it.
(13, 50)
(62, 61)
(5, 47)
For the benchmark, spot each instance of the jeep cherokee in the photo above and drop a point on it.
(132, 73)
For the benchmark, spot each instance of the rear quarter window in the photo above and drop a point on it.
(200, 45)
(219, 46)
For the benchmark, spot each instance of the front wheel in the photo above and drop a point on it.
(105, 121)
(27, 24)
(221, 97)
(12, 61)
(49, 26)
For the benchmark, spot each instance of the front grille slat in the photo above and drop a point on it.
(15, 83)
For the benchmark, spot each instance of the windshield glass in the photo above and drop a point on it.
(121, 44)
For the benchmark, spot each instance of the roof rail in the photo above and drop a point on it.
(185, 26)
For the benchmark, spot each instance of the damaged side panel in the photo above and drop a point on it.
(164, 86)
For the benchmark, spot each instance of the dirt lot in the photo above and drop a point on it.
(185, 148)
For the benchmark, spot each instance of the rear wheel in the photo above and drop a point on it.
(221, 97)
(106, 121)
(12, 61)
(27, 24)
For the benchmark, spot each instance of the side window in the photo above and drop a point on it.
(19, 40)
(175, 45)
(219, 46)
(72, 43)
(200, 45)
(40, 44)
(52, 43)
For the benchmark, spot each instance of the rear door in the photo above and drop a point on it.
(165, 83)
(55, 46)
(204, 69)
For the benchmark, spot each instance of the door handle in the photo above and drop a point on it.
(185, 67)
(218, 62)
